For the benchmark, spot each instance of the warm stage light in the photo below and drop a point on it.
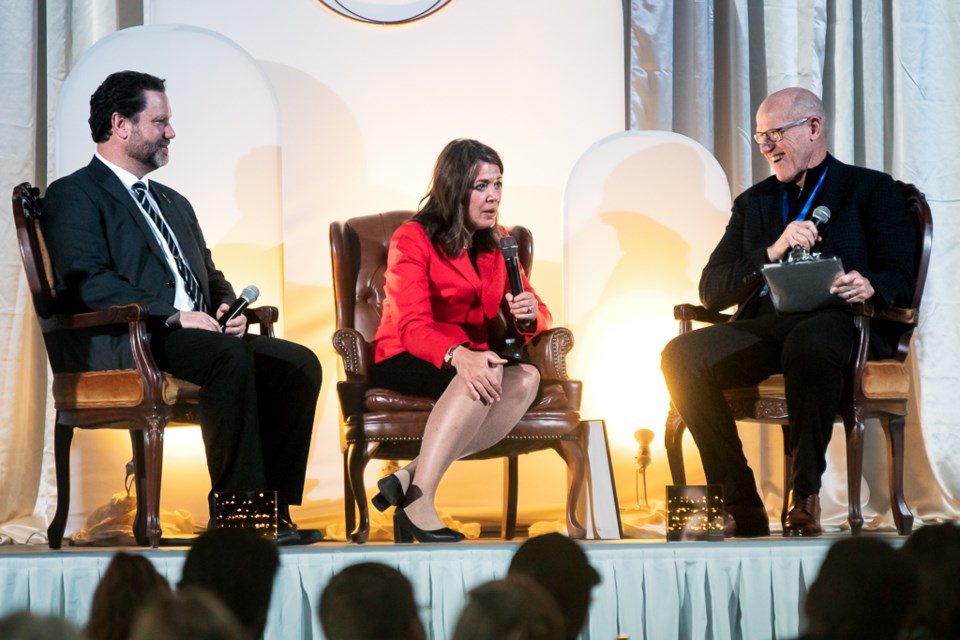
(182, 444)
(618, 352)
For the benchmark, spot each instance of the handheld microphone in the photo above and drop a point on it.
(508, 246)
(820, 215)
(247, 297)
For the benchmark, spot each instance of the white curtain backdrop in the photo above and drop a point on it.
(886, 72)
(31, 72)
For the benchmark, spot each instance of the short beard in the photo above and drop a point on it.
(150, 155)
(158, 159)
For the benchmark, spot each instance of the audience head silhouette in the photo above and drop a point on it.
(935, 552)
(25, 625)
(191, 613)
(368, 601)
(514, 609)
(238, 566)
(128, 584)
(560, 566)
(864, 591)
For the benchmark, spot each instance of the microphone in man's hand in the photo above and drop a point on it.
(508, 246)
(247, 297)
(820, 215)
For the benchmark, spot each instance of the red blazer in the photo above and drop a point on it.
(434, 301)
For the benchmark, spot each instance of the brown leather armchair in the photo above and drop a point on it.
(143, 400)
(386, 425)
(876, 388)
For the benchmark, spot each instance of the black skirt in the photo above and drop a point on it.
(406, 373)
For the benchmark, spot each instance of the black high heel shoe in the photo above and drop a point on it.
(405, 531)
(391, 493)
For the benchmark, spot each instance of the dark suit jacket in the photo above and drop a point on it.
(870, 230)
(104, 253)
(434, 301)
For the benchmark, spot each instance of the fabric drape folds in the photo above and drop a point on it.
(39, 43)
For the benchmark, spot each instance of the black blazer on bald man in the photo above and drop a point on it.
(869, 230)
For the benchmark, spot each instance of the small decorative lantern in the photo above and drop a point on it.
(255, 510)
(694, 512)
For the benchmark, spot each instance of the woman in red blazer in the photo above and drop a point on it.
(446, 281)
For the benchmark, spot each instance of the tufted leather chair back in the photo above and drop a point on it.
(359, 251)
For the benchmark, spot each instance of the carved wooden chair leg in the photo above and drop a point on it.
(360, 455)
(902, 515)
(62, 439)
(511, 481)
(139, 486)
(787, 473)
(673, 441)
(854, 472)
(572, 453)
(153, 456)
(349, 500)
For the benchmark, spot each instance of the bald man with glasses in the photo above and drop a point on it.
(869, 230)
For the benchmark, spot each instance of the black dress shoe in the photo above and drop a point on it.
(291, 537)
(745, 521)
(288, 534)
(803, 518)
(405, 531)
(391, 493)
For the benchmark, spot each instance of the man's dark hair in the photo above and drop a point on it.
(126, 587)
(122, 92)
(369, 600)
(515, 608)
(864, 590)
(935, 551)
(560, 566)
(238, 566)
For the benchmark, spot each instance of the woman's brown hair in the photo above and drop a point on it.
(443, 211)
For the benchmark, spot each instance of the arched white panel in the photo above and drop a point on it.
(642, 211)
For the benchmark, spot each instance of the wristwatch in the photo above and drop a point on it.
(448, 359)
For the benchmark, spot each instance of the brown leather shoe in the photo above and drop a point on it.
(743, 521)
(803, 517)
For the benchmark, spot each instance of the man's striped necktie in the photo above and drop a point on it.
(190, 281)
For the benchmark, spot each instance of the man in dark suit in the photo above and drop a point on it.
(870, 231)
(116, 237)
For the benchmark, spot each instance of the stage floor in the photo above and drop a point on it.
(650, 589)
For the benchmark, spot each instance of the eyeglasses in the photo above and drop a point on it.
(776, 135)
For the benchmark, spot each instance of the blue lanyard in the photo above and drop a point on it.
(806, 208)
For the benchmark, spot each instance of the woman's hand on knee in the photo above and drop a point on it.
(479, 372)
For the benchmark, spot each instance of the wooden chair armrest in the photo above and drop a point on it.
(908, 316)
(121, 314)
(356, 353)
(697, 313)
(135, 317)
(266, 317)
(548, 351)
(262, 315)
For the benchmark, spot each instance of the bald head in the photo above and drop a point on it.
(794, 103)
(797, 116)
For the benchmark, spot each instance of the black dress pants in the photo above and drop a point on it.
(812, 352)
(258, 398)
